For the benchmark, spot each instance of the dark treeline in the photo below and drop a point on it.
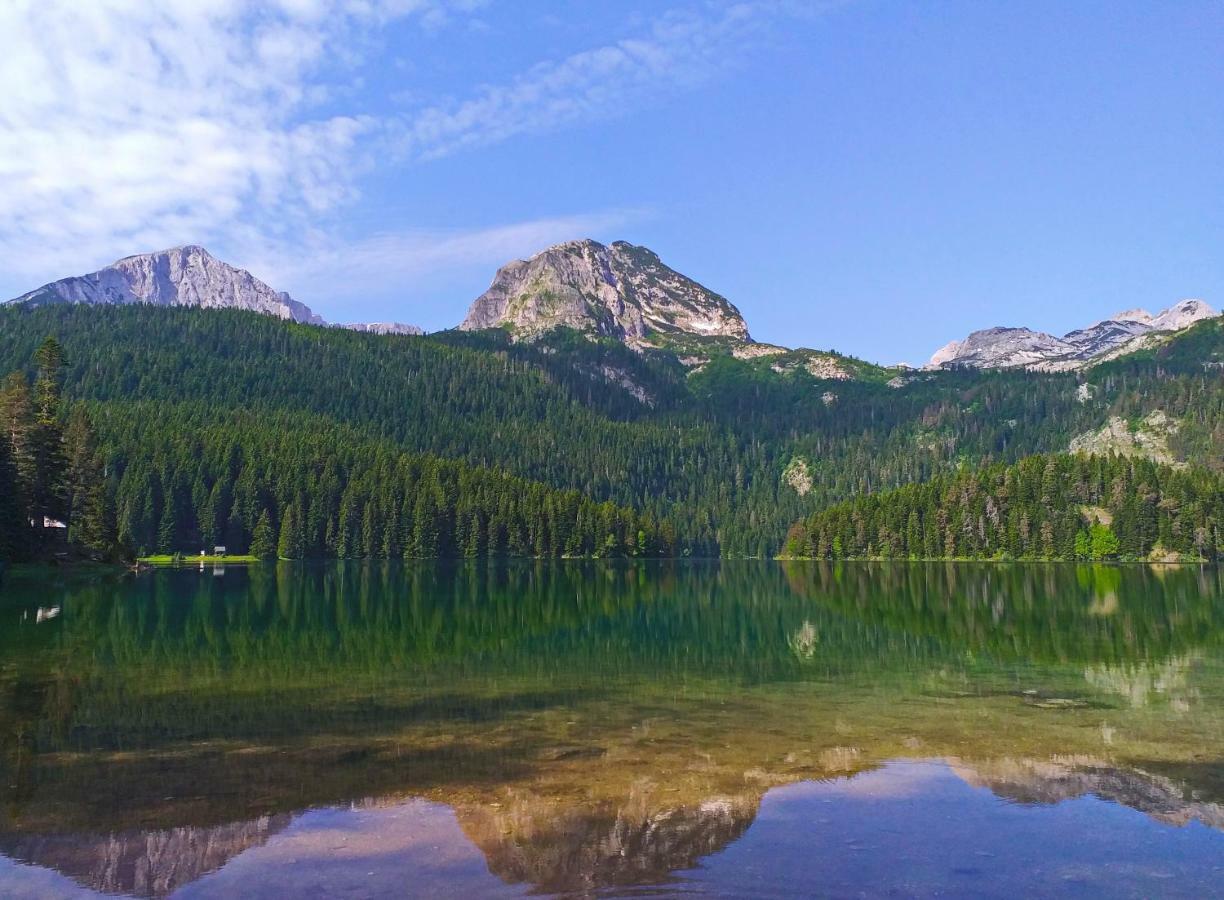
(1044, 507)
(300, 487)
(705, 450)
(53, 491)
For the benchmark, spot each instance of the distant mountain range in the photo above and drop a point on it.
(186, 276)
(1004, 348)
(621, 291)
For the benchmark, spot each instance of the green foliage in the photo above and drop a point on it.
(49, 471)
(1035, 509)
(698, 455)
(263, 541)
(1103, 543)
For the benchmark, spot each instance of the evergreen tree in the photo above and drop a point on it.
(91, 518)
(263, 543)
(289, 546)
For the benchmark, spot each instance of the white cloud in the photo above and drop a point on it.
(128, 125)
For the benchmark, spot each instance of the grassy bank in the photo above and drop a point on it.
(185, 560)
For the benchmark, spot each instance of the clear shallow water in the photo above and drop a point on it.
(743, 729)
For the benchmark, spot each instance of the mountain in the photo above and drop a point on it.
(622, 291)
(1004, 348)
(181, 276)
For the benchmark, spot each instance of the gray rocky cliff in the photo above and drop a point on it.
(1004, 348)
(621, 290)
(182, 276)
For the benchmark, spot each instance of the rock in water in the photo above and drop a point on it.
(622, 291)
(182, 276)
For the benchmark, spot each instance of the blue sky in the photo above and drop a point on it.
(871, 176)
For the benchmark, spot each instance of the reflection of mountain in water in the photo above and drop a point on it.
(572, 849)
(1055, 780)
(561, 845)
(591, 726)
(143, 863)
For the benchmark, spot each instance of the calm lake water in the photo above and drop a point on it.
(620, 729)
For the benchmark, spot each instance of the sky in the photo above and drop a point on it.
(871, 176)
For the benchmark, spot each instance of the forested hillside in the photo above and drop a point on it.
(1044, 507)
(730, 454)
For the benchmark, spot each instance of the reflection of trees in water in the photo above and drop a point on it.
(1142, 684)
(293, 686)
(1038, 613)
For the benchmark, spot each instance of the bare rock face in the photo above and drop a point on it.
(1182, 315)
(182, 276)
(621, 291)
(1149, 439)
(1003, 348)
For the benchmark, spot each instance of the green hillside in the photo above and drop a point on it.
(730, 453)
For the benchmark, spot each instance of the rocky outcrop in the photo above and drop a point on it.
(1003, 348)
(182, 276)
(1149, 438)
(1182, 315)
(622, 291)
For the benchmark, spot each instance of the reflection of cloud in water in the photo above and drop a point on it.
(414, 848)
(891, 781)
(1056, 823)
(22, 882)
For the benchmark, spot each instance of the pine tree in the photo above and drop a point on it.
(290, 544)
(47, 466)
(14, 525)
(91, 518)
(263, 543)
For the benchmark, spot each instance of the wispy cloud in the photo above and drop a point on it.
(337, 271)
(677, 51)
(128, 126)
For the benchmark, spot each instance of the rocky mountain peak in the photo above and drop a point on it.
(620, 290)
(1182, 315)
(1001, 348)
(181, 276)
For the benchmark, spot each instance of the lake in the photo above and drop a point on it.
(734, 729)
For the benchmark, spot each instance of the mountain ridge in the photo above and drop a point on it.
(187, 275)
(1003, 347)
(619, 291)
